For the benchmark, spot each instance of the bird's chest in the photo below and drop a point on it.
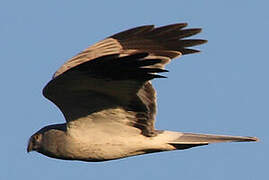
(100, 146)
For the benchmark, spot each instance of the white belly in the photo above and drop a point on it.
(103, 143)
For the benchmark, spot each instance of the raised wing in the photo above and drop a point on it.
(110, 81)
(165, 42)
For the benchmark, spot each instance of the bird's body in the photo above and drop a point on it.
(101, 144)
(109, 103)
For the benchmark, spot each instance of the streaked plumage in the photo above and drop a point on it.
(109, 103)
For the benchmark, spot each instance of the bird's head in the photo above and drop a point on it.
(46, 140)
(35, 142)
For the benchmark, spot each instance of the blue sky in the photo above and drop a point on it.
(222, 90)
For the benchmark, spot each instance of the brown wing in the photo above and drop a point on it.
(165, 42)
(110, 81)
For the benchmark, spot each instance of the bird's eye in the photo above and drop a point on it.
(37, 138)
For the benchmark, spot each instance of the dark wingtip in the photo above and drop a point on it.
(173, 26)
(189, 51)
(159, 76)
(192, 42)
(181, 25)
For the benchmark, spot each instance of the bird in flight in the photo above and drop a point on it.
(108, 101)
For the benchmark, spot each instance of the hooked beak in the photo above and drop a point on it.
(30, 147)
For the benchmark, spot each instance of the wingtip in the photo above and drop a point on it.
(175, 26)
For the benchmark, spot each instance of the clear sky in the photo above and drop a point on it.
(222, 90)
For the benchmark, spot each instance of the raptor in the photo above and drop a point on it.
(108, 101)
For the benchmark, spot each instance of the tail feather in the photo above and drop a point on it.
(188, 140)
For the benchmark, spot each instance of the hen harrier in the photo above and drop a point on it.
(108, 100)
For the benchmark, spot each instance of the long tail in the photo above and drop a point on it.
(188, 140)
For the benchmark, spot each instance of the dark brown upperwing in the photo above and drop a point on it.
(123, 82)
(161, 41)
(112, 77)
(164, 43)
